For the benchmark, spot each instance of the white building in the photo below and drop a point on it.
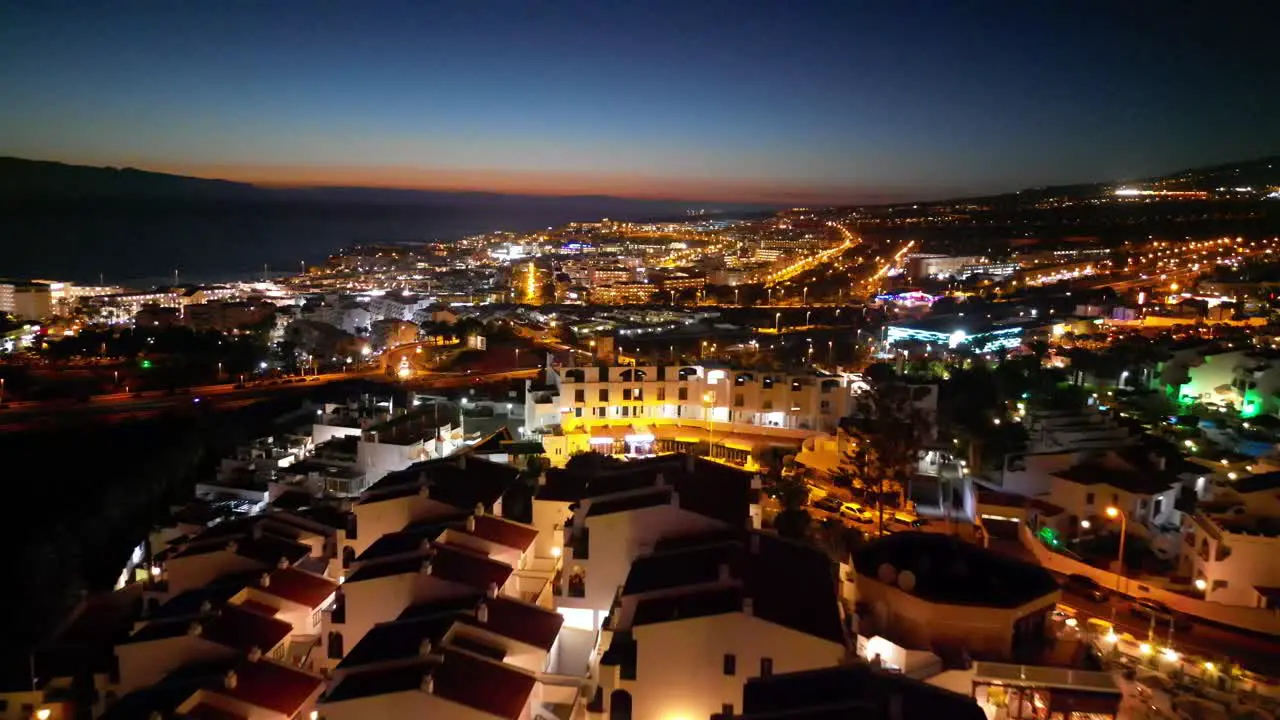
(699, 616)
(640, 411)
(1230, 544)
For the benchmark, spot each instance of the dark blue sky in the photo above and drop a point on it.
(777, 100)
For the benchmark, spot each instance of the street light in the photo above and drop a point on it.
(777, 319)
(709, 398)
(1114, 512)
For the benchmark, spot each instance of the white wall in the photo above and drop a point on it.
(680, 665)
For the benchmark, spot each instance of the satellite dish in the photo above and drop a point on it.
(907, 581)
(887, 574)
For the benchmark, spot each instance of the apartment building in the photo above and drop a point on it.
(700, 615)
(1231, 542)
(639, 411)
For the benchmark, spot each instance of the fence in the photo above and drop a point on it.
(1260, 620)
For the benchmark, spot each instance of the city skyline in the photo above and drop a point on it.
(820, 104)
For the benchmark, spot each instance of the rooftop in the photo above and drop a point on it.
(949, 571)
(853, 691)
(1050, 677)
(300, 587)
(788, 584)
(455, 675)
(271, 685)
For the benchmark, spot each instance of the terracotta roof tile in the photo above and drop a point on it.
(520, 621)
(271, 685)
(300, 587)
(504, 532)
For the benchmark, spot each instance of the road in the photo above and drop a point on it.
(1211, 642)
(122, 407)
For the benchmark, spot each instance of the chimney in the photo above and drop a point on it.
(424, 648)
(471, 523)
(428, 685)
(230, 679)
(482, 614)
(195, 629)
(748, 606)
(425, 545)
(493, 590)
(757, 482)
(255, 654)
(265, 580)
(479, 509)
(282, 563)
(424, 491)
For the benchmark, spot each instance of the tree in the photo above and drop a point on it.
(792, 494)
(886, 432)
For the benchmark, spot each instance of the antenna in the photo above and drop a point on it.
(175, 277)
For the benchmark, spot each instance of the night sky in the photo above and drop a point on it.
(754, 101)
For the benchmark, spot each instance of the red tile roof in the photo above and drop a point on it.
(271, 685)
(503, 532)
(300, 587)
(488, 686)
(520, 621)
(244, 629)
(205, 711)
(468, 567)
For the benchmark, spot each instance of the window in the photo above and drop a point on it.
(604, 395)
(1157, 508)
(766, 667)
(730, 664)
(335, 646)
(826, 406)
(727, 709)
(580, 395)
(795, 386)
(1088, 498)
(626, 393)
(577, 412)
(766, 405)
(684, 393)
(625, 410)
(767, 383)
(662, 393)
(638, 395)
(738, 400)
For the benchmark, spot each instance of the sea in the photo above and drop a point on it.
(140, 244)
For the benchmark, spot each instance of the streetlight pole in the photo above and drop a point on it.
(710, 399)
(804, 296)
(777, 319)
(1113, 512)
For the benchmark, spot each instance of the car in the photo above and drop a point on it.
(1149, 609)
(828, 503)
(856, 513)
(1085, 586)
(906, 519)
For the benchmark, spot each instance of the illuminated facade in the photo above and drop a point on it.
(953, 333)
(647, 410)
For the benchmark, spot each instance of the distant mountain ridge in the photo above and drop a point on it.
(22, 178)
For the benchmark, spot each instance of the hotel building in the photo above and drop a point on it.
(639, 411)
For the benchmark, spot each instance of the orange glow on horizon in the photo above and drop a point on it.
(518, 182)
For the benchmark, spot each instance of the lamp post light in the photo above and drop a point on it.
(804, 296)
(1114, 512)
(777, 320)
(709, 398)
(735, 296)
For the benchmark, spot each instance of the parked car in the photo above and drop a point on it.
(1147, 608)
(1086, 586)
(907, 519)
(828, 503)
(856, 513)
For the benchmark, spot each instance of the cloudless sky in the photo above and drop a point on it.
(776, 100)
